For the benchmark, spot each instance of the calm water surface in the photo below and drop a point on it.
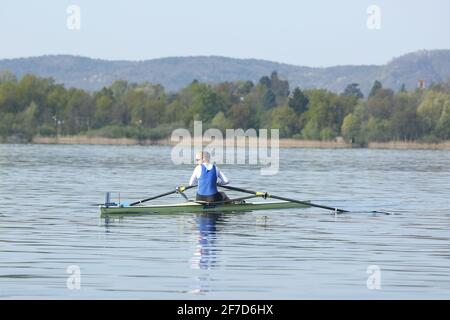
(48, 223)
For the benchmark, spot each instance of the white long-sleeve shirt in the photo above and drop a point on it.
(221, 178)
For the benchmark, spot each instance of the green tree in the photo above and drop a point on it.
(221, 122)
(380, 105)
(180, 108)
(298, 101)
(119, 87)
(245, 87)
(443, 124)
(270, 100)
(103, 111)
(351, 126)
(233, 92)
(324, 113)
(278, 86)
(146, 105)
(240, 116)
(377, 130)
(285, 119)
(9, 97)
(29, 119)
(104, 105)
(31, 88)
(433, 112)
(352, 90)
(79, 112)
(266, 82)
(176, 112)
(376, 86)
(57, 99)
(311, 131)
(7, 76)
(405, 122)
(6, 124)
(206, 103)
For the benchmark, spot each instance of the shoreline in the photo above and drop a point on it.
(409, 145)
(283, 143)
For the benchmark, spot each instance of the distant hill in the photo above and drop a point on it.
(175, 73)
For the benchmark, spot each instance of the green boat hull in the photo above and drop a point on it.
(193, 207)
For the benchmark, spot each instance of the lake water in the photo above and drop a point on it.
(50, 228)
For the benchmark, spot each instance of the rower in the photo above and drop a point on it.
(207, 176)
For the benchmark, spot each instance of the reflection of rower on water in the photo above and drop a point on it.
(208, 176)
(205, 251)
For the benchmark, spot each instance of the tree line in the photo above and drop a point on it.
(33, 106)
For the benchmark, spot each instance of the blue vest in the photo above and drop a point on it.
(207, 183)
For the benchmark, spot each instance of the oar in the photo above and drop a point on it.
(266, 195)
(177, 190)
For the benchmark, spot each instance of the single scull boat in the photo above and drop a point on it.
(194, 207)
(191, 206)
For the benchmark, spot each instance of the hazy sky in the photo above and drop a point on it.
(311, 33)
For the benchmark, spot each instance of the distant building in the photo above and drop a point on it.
(421, 84)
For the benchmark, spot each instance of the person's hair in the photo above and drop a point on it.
(205, 155)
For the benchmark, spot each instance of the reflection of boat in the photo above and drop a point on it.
(194, 207)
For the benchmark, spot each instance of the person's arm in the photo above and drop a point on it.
(194, 178)
(222, 179)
